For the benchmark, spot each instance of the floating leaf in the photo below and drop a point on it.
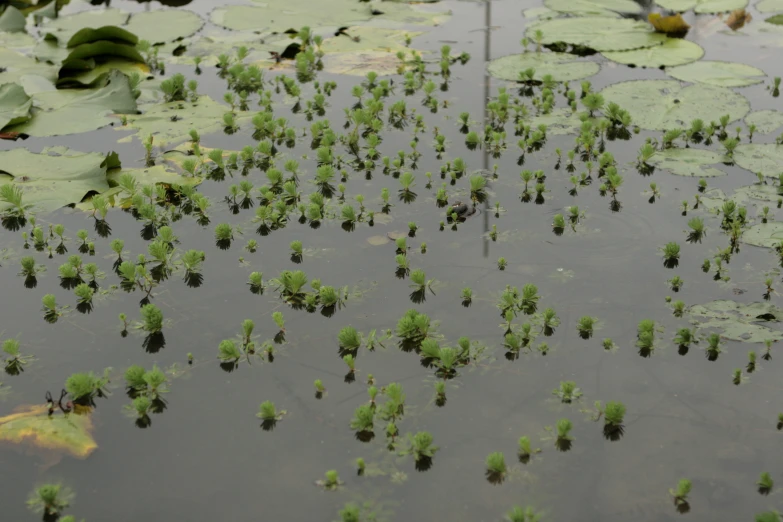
(171, 123)
(15, 105)
(64, 27)
(764, 235)
(599, 33)
(776, 20)
(688, 162)
(668, 24)
(375, 50)
(739, 321)
(70, 111)
(64, 433)
(542, 13)
(666, 104)
(378, 240)
(12, 20)
(674, 51)
(56, 177)
(16, 65)
(559, 121)
(282, 15)
(769, 6)
(166, 25)
(764, 158)
(723, 74)
(562, 67)
(593, 7)
(766, 120)
(702, 6)
(109, 33)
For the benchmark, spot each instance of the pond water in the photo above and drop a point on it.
(203, 454)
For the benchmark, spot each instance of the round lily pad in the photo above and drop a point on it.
(702, 6)
(594, 7)
(688, 162)
(541, 12)
(766, 158)
(777, 19)
(667, 104)
(674, 51)
(764, 235)
(562, 67)
(724, 74)
(765, 121)
(769, 6)
(164, 25)
(598, 32)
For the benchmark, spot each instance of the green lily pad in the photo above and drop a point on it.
(12, 20)
(18, 65)
(739, 321)
(766, 158)
(766, 120)
(722, 74)
(542, 13)
(767, 235)
(767, 193)
(282, 15)
(109, 33)
(593, 7)
(562, 67)
(71, 111)
(56, 177)
(162, 26)
(15, 105)
(674, 51)
(206, 116)
(34, 426)
(769, 6)
(558, 122)
(102, 49)
(64, 27)
(598, 32)
(667, 104)
(702, 6)
(375, 51)
(776, 20)
(688, 162)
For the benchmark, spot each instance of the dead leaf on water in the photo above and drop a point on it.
(668, 24)
(377, 240)
(33, 425)
(738, 18)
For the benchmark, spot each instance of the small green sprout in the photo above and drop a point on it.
(496, 467)
(680, 494)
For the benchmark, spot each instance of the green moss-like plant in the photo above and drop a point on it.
(49, 499)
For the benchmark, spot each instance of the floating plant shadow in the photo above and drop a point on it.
(84, 307)
(613, 433)
(196, 279)
(563, 444)
(364, 435)
(423, 463)
(268, 424)
(223, 244)
(13, 223)
(154, 342)
(102, 228)
(30, 282)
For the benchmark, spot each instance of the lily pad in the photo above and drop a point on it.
(764, 235)
(593, 7)
(688, 162)
(769, 6)
(15, 105)
(739, 321)
(723, 74)
(162, 26)
(674, 51)
(558, 122)
(598, 32)
(110, 33)
(542, 13)
(702, 6)
(170, 123)
(282, 15)
(56, 177)
(562, 67)
(765, 158)
(64, 27)
(776, 20)
(375, 51)
(71, 111)
(766, 120)
(667, 104)
(32, 425)
(17, 65)
(768, 193)
(12, 20)
(378, 240)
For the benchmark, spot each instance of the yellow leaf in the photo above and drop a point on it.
(738, 18)
(668, 24)
(33, 425)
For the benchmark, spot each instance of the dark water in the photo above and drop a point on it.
(206, 458)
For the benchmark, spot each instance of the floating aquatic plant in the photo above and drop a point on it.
(681, 492)
(614, 414)
(671, 254)
(502, 263)
(567, 391)
(50, 499)
(268, 413)
(585, 326)
(363, 418)
(496, 467)
(563, 438)
(152, 318)
(82, 387)
(713, 346)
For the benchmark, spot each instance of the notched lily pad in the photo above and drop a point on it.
(562, 67)
(769, 6)
(32, 425)
(598, 33)
(722, 74)
(689, 162)
(667, 104)
(15, 105)
(674, 51)
(739, 321)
